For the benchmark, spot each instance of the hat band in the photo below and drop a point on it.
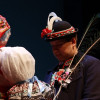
(60, 33)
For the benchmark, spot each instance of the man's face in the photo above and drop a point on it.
(62, 50)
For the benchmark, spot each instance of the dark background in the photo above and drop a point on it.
(27, 18)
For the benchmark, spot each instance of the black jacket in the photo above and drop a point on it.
(85, 83)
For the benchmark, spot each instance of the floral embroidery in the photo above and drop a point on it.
(62, 75)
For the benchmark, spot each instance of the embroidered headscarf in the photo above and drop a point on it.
(4, 31)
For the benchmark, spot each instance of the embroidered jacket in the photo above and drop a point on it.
(22, 91)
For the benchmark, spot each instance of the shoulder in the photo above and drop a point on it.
(90, 60)
(17, 90)
(20, 91)
(91, 66)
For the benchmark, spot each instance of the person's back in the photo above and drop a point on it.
(17, 80)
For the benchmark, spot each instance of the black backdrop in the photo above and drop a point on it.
(28, 17)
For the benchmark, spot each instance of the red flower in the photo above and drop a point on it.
(59, 79)
(45, 31)
(60, 72)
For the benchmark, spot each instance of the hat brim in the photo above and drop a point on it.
(61, 37)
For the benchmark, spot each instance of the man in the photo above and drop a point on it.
(4, 31)
(83, 84)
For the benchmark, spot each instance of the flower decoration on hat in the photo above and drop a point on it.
(49, 33)
(45, 31)
(49, 29)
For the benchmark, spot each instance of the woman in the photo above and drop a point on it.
(17, 80)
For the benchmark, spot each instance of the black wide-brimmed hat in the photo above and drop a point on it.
(57, 28)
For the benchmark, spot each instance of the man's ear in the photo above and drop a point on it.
(74, 43)
(74, 40)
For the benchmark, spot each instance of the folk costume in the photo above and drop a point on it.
(17, 80)
(83, 83)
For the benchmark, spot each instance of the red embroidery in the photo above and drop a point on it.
(4, 26)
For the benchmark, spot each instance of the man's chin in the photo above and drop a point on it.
(60, 59)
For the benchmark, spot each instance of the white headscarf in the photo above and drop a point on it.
(16, 64)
